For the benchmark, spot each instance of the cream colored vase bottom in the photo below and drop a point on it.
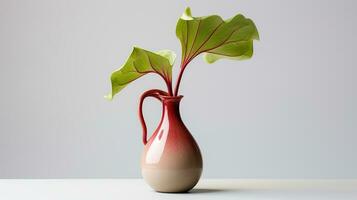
(172, 180)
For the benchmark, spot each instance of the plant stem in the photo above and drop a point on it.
(183, 67)
(168, 84)
(169, 87)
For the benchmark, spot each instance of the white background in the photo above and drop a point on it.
(289, 112)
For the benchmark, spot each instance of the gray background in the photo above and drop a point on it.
(290, 112)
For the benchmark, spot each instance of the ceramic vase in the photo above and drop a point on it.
(171, 160)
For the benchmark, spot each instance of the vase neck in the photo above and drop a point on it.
(171, 107)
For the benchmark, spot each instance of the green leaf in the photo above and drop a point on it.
(139, 63)
(217, 38)
(170, 55)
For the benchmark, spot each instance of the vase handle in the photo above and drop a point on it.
(150, 93)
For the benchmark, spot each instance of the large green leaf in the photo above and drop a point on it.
(232, 38)
(139, 63)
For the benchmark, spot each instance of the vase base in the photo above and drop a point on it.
(172, 181)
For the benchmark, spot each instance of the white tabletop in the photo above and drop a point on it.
(122, 189)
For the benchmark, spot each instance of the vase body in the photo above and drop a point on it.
(171, 160)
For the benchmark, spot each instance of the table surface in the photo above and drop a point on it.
(118, 189)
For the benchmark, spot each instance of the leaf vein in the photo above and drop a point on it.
(223, 43)
(193, 42)
(209, 37)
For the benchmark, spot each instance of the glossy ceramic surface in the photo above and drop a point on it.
(171, 160)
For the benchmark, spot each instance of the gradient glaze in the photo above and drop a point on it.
(171, 160)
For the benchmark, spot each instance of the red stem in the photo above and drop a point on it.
(169, 87)
(183, 66)
(168, 84)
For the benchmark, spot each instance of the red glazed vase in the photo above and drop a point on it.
(171, 160)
